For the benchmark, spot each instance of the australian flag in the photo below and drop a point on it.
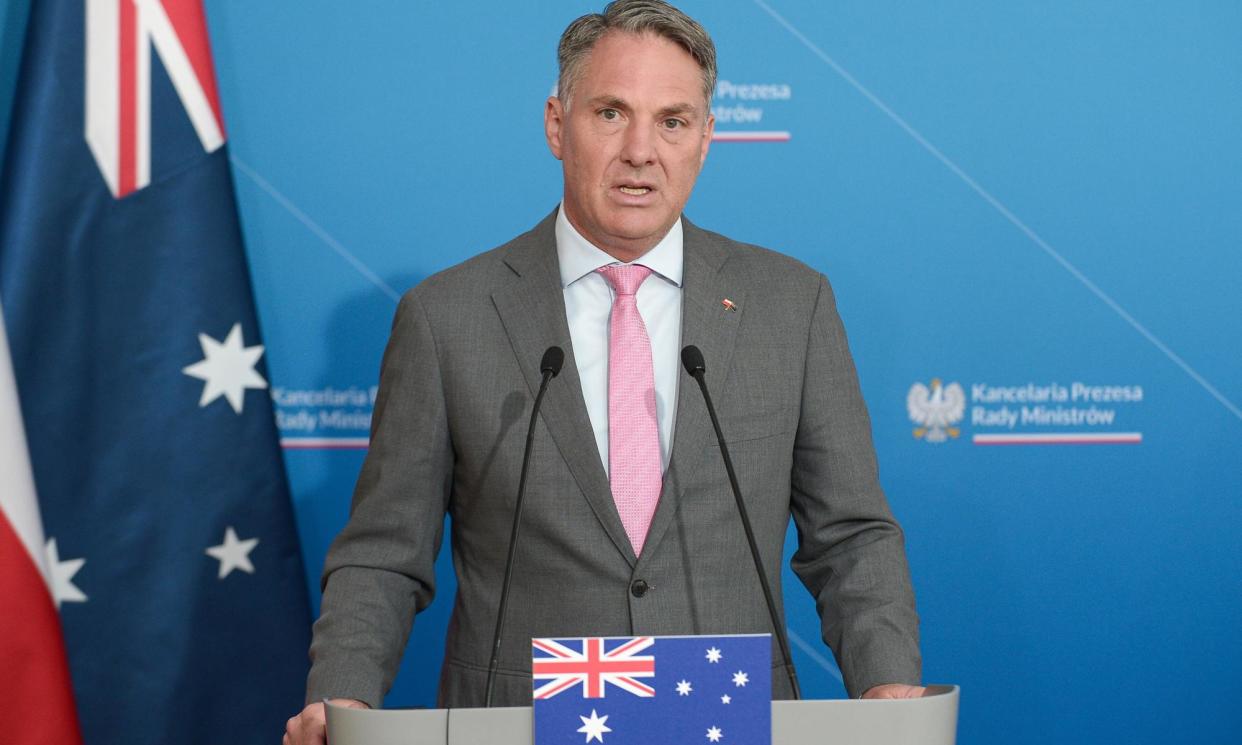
(171, 544)
(650, 690)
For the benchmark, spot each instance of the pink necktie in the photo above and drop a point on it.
(634, 466)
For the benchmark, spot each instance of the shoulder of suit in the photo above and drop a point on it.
(485, 272)
(757, 262)
(479, 275)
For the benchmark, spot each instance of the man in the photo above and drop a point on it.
(628, 526)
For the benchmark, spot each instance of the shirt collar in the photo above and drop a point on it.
(578, 257)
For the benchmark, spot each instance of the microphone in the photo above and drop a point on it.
(549, 367)
(692, 360)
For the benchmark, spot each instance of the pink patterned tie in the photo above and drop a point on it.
(634, 466)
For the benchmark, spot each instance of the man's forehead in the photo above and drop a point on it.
(622, 63)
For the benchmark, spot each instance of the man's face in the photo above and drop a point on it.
(632, 142)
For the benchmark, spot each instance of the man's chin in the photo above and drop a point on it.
(629, 246)
(634, 232)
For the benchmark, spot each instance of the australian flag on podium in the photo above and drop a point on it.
(652, 690)
(171, 548)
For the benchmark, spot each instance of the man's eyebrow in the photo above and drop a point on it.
(611, 102)
(680, 108)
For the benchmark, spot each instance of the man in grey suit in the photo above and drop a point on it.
(632, 126)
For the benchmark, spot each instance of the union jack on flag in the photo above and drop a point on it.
(594, 662)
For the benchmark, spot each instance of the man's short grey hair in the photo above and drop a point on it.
(634, 17)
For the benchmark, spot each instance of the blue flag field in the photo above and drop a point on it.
(171, 542)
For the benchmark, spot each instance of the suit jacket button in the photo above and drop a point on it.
(639, 587)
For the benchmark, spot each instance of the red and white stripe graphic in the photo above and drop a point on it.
(325, 443)
(750, 136)
(36, 697)
(119, 37)
(1061, 438)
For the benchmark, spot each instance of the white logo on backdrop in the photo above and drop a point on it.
(936, 410)
(1030, 414)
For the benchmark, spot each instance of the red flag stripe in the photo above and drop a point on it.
(127, 108)
(36, 694)
(187, 18)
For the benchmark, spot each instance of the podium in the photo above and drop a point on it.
(930, 720)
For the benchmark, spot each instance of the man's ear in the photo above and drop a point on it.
(707, 138)
(553, 124)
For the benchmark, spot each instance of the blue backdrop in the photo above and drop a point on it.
(1040, 202)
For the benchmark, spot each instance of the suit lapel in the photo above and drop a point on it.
(709, 325)
(532, 310)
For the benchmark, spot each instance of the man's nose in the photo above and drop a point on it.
(638, 150)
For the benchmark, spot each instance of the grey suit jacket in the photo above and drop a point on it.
(458, 380)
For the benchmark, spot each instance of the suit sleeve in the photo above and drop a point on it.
(851, 552)
(380, 570)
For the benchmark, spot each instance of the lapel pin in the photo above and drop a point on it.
(729, 305)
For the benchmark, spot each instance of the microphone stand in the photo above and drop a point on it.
(549, 366)
(692, 360)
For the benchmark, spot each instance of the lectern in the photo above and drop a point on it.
(930, 720)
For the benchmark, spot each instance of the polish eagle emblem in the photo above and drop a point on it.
(936, 410)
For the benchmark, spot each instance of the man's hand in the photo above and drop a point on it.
(310, 727)
(894, 690)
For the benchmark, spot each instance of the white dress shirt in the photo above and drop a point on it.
(588, 306)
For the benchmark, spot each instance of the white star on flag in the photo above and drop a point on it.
(714, 734)
(684, 688)
(726, 699)
(713, 655)
(233, 554)
(63, 589)
(740, 678)
(594, 726)
(227, 368)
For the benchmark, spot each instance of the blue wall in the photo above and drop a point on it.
(1003, 194)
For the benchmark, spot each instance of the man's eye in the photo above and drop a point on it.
(673, 123)
(609, 115)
